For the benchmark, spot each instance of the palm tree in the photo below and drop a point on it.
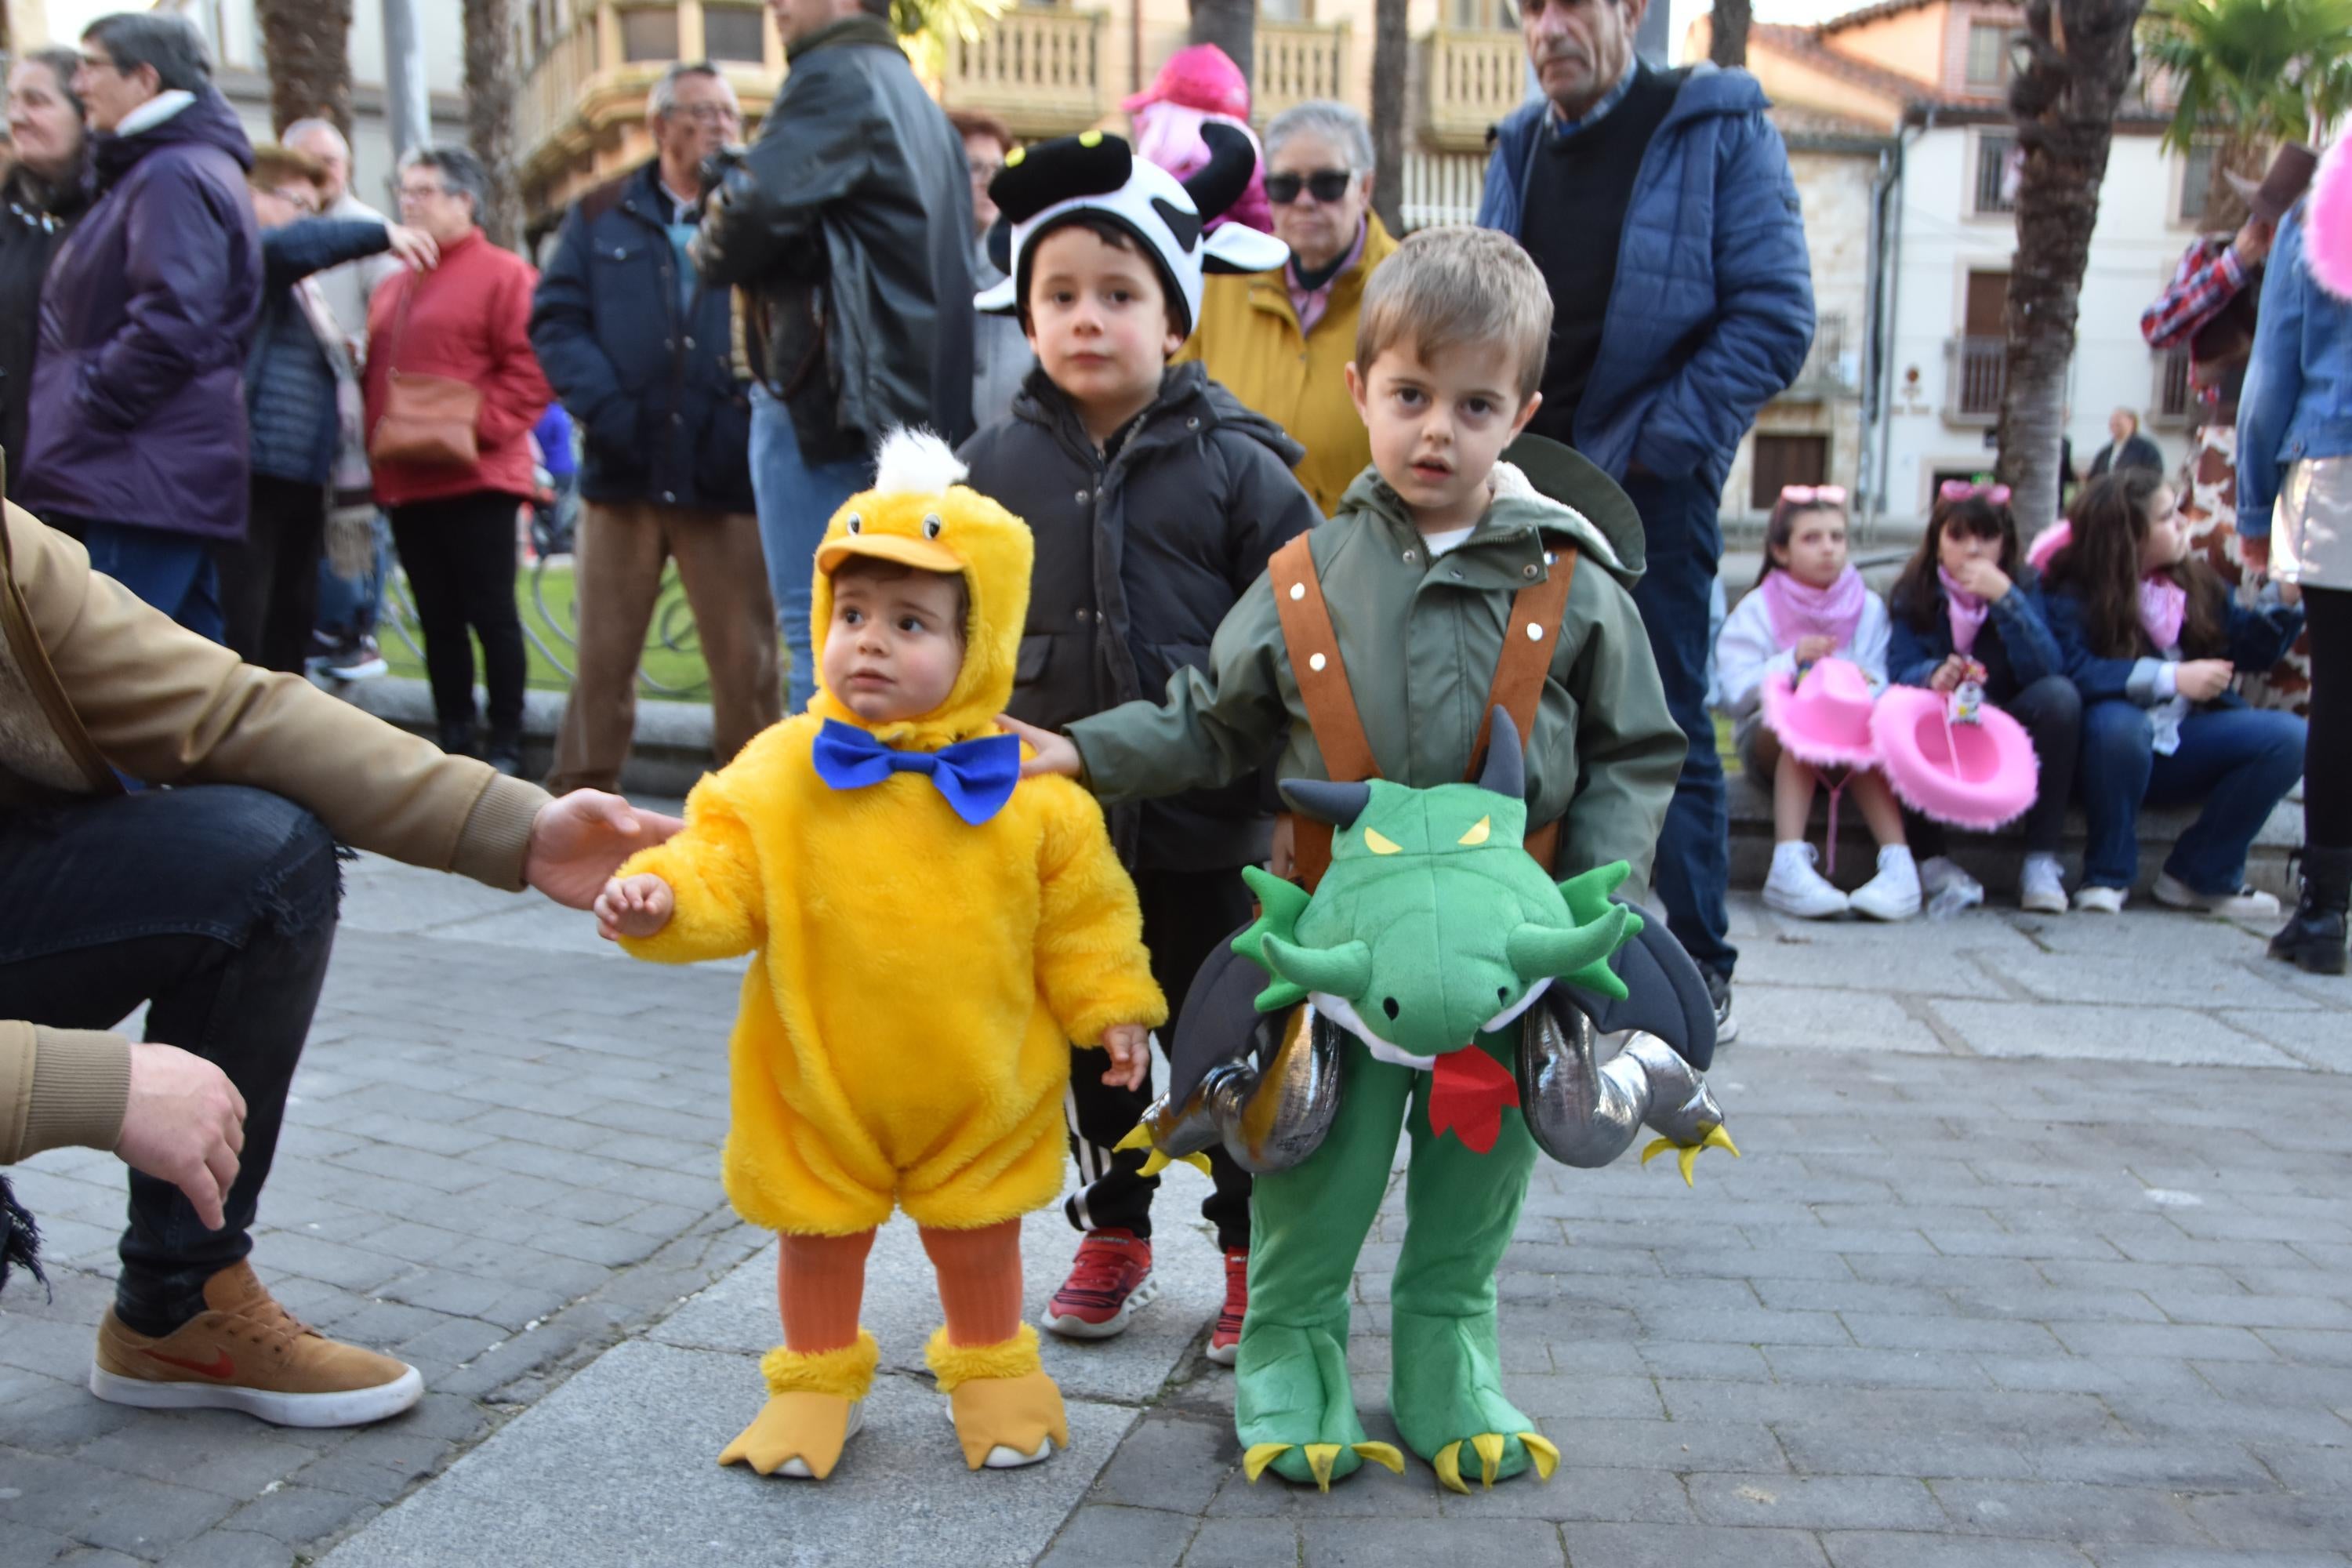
(1728, 36)
(1391, 46)
(491, 73)
(307, 45)
(2259, 71)
(2064, 100)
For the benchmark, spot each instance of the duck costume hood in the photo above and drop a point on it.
(920, 514)
(1098, 175)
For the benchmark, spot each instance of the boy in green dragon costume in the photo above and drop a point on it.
(1443, 605)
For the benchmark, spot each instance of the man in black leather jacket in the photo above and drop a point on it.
(849, 223)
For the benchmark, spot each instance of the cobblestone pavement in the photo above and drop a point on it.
(2038, 1255)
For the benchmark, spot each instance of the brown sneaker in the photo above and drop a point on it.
(246, 1352)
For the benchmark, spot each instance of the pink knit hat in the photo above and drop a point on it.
(1824, 719)
(1977, 775)
(1201, 77)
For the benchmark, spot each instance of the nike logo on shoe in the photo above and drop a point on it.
(219, 1366)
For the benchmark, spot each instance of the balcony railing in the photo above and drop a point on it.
(1297, 61)
(1476, 77)
(1037, 68)
(2174, 403)
(1829, 371)
(1977, 370)
(1441, 187)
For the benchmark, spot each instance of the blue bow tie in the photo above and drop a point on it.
(976, 776)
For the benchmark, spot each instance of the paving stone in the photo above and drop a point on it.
(1624, 1496)
(2167, 1034)
(2210, 1557)
(1814, 1502)
(2276, 1521)
(1379, 1543)
(2076, 1514)
(1243, 1544)
(1169, 1462)
(1688, 1546)
(1099, 1533)
(1865, 1550)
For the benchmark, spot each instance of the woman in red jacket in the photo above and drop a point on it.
(454, 520)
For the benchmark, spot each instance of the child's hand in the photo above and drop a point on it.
(1948, 674)
(1129, 1045)
(1054, 753)
(1814, 649)
(1984, 578)
(636, 905)
(1281, 858)
(2203, 679)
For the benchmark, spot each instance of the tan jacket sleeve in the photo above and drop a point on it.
(166, 706)
(60, 1087)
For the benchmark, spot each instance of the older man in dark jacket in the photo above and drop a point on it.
(850, 221)
(642, 353)
(138, 406)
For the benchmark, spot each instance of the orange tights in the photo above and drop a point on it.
(821, 1280)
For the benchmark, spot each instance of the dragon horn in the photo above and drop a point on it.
(1538, 953)
(1342, 970)
(1337, 804)
(1505, 772)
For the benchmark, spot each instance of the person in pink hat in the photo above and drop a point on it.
(1198, 84)
(1799, 659)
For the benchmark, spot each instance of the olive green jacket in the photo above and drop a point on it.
(1420, 639)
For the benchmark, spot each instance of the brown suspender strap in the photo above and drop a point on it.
(1528, 639)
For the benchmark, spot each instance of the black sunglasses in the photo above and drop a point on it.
(1325, 184)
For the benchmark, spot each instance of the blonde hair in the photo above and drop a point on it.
(1457, 285)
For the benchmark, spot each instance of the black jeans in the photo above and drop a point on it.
(270, 579)
(2327, 750)
(2052, 711)
(459, 555)
(214, 905)
(1185, 915)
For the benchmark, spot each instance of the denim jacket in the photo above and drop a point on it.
(1913, 656)
(2297, 401)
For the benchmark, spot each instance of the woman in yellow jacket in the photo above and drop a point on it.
(1278, 340)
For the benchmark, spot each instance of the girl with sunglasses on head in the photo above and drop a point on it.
(1968, 599)
(1809, 603)
(2152, 638)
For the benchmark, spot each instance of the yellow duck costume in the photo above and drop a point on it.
(904, 1035)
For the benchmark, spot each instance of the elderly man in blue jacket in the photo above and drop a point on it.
(1660, 207)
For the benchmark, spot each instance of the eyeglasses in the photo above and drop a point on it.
(1811, 495)
(1325, 186)
(982, 171)
(705, 113)
(420, 193)
(299, 198)
(1973, 489)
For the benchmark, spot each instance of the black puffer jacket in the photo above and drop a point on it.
(33, 224)
(850, 222)
(1140, 555)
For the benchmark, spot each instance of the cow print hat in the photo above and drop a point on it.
(1098, 175)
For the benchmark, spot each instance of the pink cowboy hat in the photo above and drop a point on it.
(1825, 719)
(2327, 221)
(1977, 776)
(1201, 77)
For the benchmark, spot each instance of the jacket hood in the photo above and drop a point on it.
(920, 514)
(1517, 504)
(1185, 392)
(1707, 88)
(207, 121)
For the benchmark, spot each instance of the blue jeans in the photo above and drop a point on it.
(349, 608)
(172, 571)
(2240, 761)
(1675, 595)
(213, 904)
(796, 502)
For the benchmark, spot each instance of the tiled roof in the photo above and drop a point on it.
(1805, 46)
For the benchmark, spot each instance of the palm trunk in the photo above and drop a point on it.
(2065, 104)
(491, 73)
(1727, 44)
(307, 46)
(1232, 26)
(1391, 55)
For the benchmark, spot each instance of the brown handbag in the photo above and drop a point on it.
(426, 419)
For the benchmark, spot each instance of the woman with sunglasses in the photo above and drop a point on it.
(1279, 341)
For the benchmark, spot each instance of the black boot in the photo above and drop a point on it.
(506, 752)
(2314, 939)
(457, 738)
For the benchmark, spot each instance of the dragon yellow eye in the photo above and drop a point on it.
(1380, 846)
(1478, 831)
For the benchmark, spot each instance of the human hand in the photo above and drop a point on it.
(1057, 754)
(414, 247)
(1281, 858)
(636, 905)
(2253, 241)
(1815, 649)
(1948, 674)
(1129, 1045)
(2203, 679)
(579, 840)
(2290, 594)
(1983, 578)
(2254, 552)
(184, 1124)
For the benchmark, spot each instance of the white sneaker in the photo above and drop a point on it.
(1893, 893)
(1794, 888)
(2043, 887)
(2245, 904)
(1941, 873)
(2093, 900)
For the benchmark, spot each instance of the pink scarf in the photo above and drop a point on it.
(1800, 610)
(2163, 605)
(1968, 612)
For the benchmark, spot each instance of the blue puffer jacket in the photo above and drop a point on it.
(1713, 308)
(2297, 401)
(289, 385)
(648, 378)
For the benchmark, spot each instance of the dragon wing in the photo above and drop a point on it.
(1665, 994)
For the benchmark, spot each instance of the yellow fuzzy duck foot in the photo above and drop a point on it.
(1154, 1161)
(798, 1434)
(1487, 1448)
(1717, 1137)
(1003, 1423)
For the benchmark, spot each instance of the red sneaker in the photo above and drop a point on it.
(1226, 1338)
(1110, 1279)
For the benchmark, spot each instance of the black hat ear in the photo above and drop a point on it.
(1034, 178)
(1219, 184)
(1000, 244)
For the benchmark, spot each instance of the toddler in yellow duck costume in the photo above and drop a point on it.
(931, 931)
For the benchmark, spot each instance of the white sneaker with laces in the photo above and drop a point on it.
(2245, 904)
(1794, 888)
(1940, 874)
(2043, 887)
(1893, 893)
(2093, 900)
